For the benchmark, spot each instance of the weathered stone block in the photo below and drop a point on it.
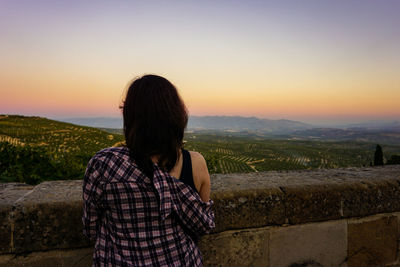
(5, 228)
(397, 214)
(9, 193)
(372, 241)
(368, 197)
(248, 208)
(236, 248)
(315, 202)
(77, 258)
(309, 196)
(49, 218)
(315, 243)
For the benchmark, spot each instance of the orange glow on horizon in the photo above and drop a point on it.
(269, 61)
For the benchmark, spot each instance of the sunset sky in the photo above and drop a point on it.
(312, 61)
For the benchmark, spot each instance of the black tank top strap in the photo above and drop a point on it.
(187, 178)
(187, 173)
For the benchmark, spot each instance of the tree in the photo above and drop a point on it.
(378, 157)
(33, 165)
(212, 162)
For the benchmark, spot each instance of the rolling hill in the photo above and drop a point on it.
(54, 136)
(252, 124)
(34, 149)
(219, 123)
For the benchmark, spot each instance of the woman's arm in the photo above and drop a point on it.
(201, 177)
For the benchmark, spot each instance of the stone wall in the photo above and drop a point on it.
(337, 217)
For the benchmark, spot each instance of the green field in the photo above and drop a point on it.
(58, 138)
(34, 149)
(227, 154)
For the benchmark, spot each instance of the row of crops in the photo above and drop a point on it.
(57, 138)
(66, 148)
(34, 149)
(229, 154)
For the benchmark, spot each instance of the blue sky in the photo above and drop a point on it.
(305, 60)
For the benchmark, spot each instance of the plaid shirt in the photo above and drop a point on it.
(138, 221)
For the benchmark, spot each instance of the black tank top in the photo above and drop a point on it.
(187, 178)
(186, 172)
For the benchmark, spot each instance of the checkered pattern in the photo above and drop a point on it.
(138, 221)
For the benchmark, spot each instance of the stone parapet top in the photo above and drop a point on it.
(277, 179)
(48, 216)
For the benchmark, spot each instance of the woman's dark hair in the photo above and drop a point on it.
(155, 118)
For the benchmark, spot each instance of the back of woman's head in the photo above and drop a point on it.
(155, 118)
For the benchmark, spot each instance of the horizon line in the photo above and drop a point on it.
(308, 120)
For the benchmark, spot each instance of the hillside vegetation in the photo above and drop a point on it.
(228, 154)
(35, 149)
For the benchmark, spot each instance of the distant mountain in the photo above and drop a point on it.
(376, 135)
(251, 124)
(393, 126)
(220, 123)
(375, 131)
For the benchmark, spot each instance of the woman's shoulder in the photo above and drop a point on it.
(114, 163)
(111, 154)
(199, 168)
(197, 157)
(113, 151)
(201, 177)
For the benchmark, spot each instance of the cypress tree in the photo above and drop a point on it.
(378, 157)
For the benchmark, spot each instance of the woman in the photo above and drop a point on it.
(144, 204)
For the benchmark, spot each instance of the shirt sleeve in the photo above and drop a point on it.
(92, 192)
(197, 215)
